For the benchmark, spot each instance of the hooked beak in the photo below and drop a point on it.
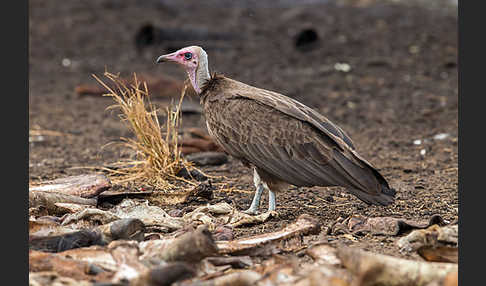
(166, 58)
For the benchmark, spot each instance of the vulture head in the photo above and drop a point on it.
(194, 60)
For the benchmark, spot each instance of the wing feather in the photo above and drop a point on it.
(289, 141)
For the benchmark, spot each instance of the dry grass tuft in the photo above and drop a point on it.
(157, 154)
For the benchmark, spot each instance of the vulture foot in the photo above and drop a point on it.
(253, 209)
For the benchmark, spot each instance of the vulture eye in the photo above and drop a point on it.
(187, 56)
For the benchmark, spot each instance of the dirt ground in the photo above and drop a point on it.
(402, 86)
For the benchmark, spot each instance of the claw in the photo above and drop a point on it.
(272, 213)
(251, 211)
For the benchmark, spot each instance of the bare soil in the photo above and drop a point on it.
(402, 86)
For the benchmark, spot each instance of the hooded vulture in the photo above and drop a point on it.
(286, 142)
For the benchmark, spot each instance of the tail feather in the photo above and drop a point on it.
(366, 182)
(386, 197)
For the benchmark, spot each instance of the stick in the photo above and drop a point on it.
(86, 186)
(241, 278)
(305, 224)
(79, 270)
(58, 243)
(49, 200)
(378, 269)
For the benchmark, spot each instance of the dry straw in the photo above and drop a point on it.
(157, 154)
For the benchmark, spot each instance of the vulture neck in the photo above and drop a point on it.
(201, 74)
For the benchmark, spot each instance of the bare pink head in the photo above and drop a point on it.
(194, 60)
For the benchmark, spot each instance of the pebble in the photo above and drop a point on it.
(344, 67)
(441, 136)
(66, 62)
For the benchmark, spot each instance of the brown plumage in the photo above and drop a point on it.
(285, 141)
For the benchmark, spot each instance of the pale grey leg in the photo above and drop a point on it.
(259, 185)
(271, 201)
(256, 200)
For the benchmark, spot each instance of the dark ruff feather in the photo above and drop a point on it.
(288, 142)
(211, 84)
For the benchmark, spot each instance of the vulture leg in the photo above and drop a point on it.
(253, 209)
(271, 201)
(255, 203)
